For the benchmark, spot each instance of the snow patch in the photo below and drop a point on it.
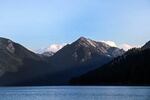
(110, 43)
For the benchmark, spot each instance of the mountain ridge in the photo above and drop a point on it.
(20, 66)
(132, 68)
(146, 46)
(78, 57)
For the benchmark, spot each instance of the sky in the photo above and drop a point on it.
(39, 23)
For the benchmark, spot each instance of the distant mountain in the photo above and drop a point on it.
(132, 68)
(82, 56)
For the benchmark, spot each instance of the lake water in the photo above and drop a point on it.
(75, 93)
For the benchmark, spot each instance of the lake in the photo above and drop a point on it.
(75, 93)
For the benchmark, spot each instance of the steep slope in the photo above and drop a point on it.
(18, 64)
(147, 45)
(133, 68)
(82, 56)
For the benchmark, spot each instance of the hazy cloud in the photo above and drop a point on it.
(51, 48)
(55, 47)
(124, 46)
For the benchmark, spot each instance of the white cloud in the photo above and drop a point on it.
(110, 43)
(55, 47)
(126, 46)
(52, 48)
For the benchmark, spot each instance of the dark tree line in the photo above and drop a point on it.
(133, 68)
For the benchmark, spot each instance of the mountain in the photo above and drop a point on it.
(132, 68)
(80, 57)
(18, 65)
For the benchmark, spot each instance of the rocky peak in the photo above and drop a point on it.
(81, 40)
(96, 47)
(85, 42)
(6, 44)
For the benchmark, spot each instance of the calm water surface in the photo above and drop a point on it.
(75, 93)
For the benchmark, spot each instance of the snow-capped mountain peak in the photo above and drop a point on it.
(86, 42)
(50, 50)
(101, 47)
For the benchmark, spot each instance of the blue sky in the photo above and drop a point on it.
(38, 23)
